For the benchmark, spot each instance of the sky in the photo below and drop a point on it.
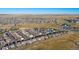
(39, 10)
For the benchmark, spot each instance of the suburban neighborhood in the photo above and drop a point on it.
(17, 31)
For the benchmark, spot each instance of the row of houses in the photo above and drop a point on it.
(27, 36)
(69, 27)
(72, 20)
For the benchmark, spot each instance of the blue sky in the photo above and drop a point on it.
(39, 10)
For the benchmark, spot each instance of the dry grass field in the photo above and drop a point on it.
(34, 25)
(38, 25)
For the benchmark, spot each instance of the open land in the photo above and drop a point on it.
(39, 32)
